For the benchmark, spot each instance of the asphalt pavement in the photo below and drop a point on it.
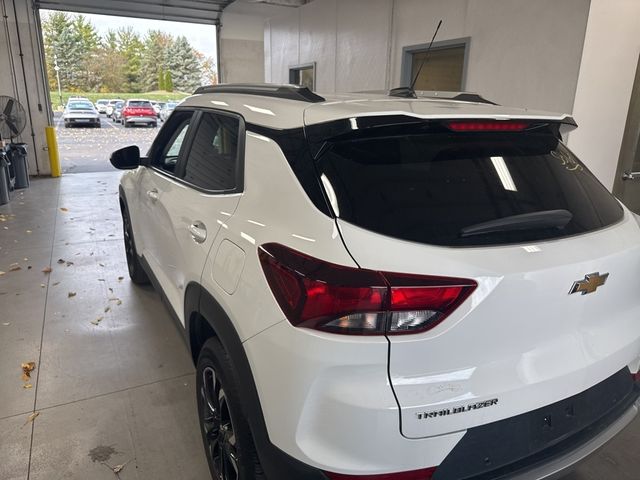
(84, 149)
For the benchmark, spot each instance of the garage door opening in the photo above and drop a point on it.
(114, 80)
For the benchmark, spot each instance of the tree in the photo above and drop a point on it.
(161, 82)
(208, 70)
(111, 64)
(130, 47)
(61, 46)
(87, 40)
(168, 81)
(154, 59)
(184, 65)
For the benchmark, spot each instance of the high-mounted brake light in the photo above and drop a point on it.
(487, 125)
(324, 296)
(423, 474)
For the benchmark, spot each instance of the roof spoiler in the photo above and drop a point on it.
(286, 92)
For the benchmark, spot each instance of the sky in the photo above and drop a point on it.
(201, 37)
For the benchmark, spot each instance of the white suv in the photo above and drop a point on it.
(389, 288)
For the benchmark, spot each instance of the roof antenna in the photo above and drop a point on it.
(409, 92)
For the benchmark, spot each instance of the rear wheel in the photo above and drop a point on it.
(225, 432)
(136, 271)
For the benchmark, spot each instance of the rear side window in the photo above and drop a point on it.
(213, 157)
(465, 189)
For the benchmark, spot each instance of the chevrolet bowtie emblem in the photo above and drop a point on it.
(590, 283)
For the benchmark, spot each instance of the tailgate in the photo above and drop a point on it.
(521, 341)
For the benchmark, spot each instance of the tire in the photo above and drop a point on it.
(153, 125)
(136, 271)
(126, 125)
(226, 435)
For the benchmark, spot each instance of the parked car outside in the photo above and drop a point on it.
(138, 112)
(407, 288)
(116, 114)
(101, 106)
(111, 104)
(80, 113)
(166, 110)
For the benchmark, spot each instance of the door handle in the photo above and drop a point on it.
(631, 176)
(153, 195)
(198, 231)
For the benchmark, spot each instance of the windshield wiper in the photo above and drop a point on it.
(525, 221)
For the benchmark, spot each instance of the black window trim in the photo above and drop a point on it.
(196, 117)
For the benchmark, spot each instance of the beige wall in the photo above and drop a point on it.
(242, 49)
(521, 52)
(609, 60)
(30, 81)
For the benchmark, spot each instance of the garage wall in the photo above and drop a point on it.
(609, 61)
(242, 50)
(26, 85)
(521, 52)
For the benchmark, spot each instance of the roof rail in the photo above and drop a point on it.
(288, 92)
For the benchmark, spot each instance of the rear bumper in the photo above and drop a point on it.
(563, 464)
(547, 442)
(146, 119)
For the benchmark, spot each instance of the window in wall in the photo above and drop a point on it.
(443, 70)
(213, 157)
(304, 75)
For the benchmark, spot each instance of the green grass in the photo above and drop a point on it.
(159, 96)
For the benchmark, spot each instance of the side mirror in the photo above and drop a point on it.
(126, 158)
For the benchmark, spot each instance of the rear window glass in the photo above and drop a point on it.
(80, 106)
(465, 189)
(139, 103)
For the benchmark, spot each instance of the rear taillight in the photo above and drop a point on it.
(324, 296)
(487, 125)
(423, 474)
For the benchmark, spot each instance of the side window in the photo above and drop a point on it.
(213, 156)
(172, 140)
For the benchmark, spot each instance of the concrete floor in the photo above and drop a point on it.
(122, 391)
(107, 394)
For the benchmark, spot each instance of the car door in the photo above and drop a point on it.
(198, 200)
(155, 184)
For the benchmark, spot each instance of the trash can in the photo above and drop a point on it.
(18, 159)
(5, 186)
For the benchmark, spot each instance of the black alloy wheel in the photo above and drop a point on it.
(227, 438)
(219, 433)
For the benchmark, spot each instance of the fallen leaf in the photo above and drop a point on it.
(101, 279)
(69, 263)
(120, 279)
(63, 209)
(71, 294)
(118, 468)
(110, 290)
(47, 270)
(42, 285)
(14, 267)
(56, 283)
(6, 324)
(27, 386)
(101, 264)
(118, 302)
(61, 260)
(106, 309)
(97, 321)
(31, 418)
(1, 273)
(29, 231)
(27, 368)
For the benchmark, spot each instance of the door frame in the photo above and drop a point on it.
(630, 147)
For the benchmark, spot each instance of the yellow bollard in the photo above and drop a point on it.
(52, 146)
